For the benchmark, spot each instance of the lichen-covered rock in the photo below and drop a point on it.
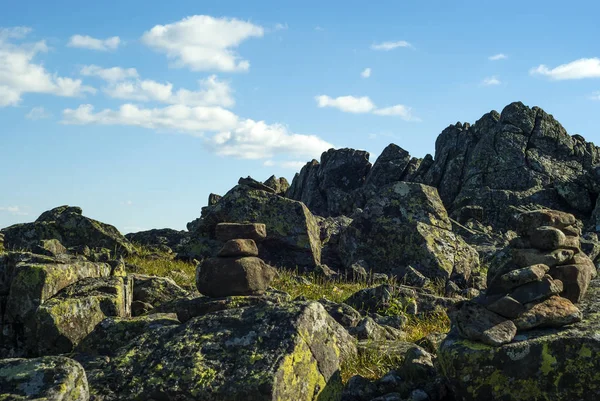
(221, 277)
(391, 166)
(328, 188)
(290, 352)
(62, 322)
(67, 225)
(552, 312)
(44, 379)
(293, 238)
(116, 332)
(155, 290)
(280, 185)
(230, 231)
(540, 364)
(406, 224)
(477, 323)
(368, 329)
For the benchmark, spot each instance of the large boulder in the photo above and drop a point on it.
(391, 166)
(404, 225)
(65, 320)
(328, 187)
(164, 238)
(290, 352)
(27, 281)
(67, 225)
(45, 379)
(541, 364)
(292, 232)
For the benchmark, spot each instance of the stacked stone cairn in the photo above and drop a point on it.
(237, 269)
(534, 283)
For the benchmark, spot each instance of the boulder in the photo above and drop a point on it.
(62, 322)
(391, 166)
(553, 312)
(67, 225)
(155, 291)
(406, 224)
(290, 352)
(221, 277)
(292, 232)
(52, 378)
(477, 323)
(280, 185)
(239, 247)
(229, 231)
(559, 364)
(328, 188)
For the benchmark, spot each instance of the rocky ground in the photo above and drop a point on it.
(468, 275)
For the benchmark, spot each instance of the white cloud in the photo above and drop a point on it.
(361, 105)
(386, 46)
(15, 210)
(281, 27)
(114, 74)
(38, 113)
(366, 73)
(398, 110)
(202, 43)
(87, 42)
(192, 120)
(292, 164)
(212, 93)
(232, 136)
(348, 104)
(19, 73)
(491, 81)
(499, 56)
(578, 69)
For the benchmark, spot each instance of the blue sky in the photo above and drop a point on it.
(137, 110)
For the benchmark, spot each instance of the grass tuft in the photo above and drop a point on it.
(157, 263)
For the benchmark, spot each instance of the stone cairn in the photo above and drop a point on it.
(534, 283)
(236, 270)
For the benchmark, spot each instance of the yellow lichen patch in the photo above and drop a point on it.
(548, 361)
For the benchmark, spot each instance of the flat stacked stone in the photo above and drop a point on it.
(237, 269)
(539, 279)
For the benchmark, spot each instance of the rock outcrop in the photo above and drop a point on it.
(404, 225)
(164, 239)
(67, 225)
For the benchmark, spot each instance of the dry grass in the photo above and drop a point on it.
(154, 263)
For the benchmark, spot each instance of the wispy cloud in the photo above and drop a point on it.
(38, 113)
(578, 69)
(281, 27)
(491, 81)
(113, 74)
(88, 42)
(386, 46)
(595, 96)
(366, 73)
(14, 210)
(203, 43)
(499, 56)
(364, 104)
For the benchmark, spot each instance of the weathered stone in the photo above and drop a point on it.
(228, 231)
(50, 247)
(413, 278)
(292, 233)
(537, 290)
(67, 225)
(113, 333)
(516, 278)
(507, 306)
(575, 279)
(477, 323)
(159, 238)
(252, 183)
(344, 314)
(552, 312)
(155, 290)
(529, 222)
(51, 378)
(558, 364)
(530, 257)
(280, 185)
(547, 238)
(368, 329)
(239, 247)
(290, 352)
(406, 224)
(62, 322)
(221, 277)
(390, 166)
